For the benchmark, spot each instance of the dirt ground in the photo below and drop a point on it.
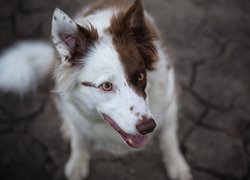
(210, 42)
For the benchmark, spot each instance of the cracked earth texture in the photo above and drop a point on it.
(210, 43)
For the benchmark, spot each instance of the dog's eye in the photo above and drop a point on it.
(141, 76)
(107, 86)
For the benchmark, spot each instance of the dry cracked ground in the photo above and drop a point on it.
(210, 42)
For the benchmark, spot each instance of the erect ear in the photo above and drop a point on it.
(71, 40)
(131, 25)
(135, 19)
(135, 15)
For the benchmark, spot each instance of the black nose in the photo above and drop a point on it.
(145, 126)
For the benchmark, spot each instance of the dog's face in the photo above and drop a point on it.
(108, 72)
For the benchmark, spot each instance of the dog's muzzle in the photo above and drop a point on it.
(145, 126)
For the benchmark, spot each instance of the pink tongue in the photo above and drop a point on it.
(135, 141)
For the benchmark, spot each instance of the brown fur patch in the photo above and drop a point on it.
(131, 27)
(80, 42)
(133, 39)
(133, 65)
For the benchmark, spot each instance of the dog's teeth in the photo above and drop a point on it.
(130, 141)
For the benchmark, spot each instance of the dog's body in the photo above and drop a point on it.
(114, 68)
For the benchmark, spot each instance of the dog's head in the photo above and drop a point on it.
(107, 71)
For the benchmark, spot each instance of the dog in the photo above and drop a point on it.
(114, 80)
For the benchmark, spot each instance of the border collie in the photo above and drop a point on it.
(114, 83)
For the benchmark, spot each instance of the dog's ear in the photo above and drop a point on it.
(134, 16)
(71, 40)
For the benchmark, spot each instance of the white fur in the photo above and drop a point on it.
(24, 65)
(81, 106)
(99, 68)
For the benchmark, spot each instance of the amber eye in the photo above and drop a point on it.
(107, 86)
(141, 76)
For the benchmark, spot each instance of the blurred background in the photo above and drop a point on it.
(210, 43)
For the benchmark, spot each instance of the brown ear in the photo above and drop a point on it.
(84, 39)
(132, 27)
(135, 15)
(142, 34)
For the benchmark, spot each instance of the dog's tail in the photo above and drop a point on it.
(24, 66)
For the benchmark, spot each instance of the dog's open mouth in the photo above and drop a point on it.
(134, 141)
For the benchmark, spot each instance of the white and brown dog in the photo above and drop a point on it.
(114, 82)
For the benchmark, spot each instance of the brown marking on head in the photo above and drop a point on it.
(80, 42)
(131, 27)
(133, 64)
(133, 40)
